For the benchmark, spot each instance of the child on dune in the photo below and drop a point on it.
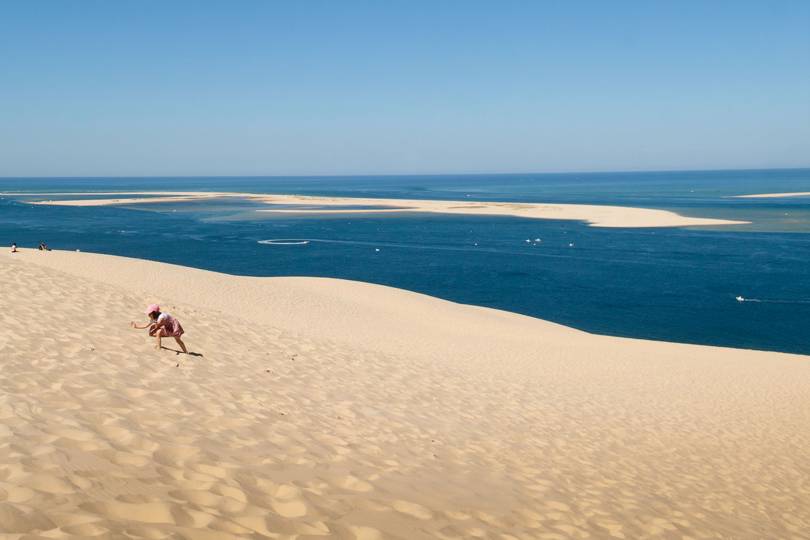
(162, 325)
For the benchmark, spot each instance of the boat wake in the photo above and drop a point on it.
(285, 242)
(772, 300)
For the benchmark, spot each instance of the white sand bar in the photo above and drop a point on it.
(774, 195)
(595, 215)
(336, 409)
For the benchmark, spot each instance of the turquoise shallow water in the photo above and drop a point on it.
(668, 284)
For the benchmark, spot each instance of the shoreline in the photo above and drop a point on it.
(594, 215)
(325, 407)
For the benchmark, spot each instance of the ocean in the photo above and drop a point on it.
(677, 284)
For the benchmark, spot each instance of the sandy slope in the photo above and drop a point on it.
(323, 408)
(594, 215)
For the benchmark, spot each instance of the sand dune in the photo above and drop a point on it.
(334, 409)
(594, 215)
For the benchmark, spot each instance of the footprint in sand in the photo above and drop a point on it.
(14, 519)
(232, 492)
(287, 502)
(208, 499)
(412, 509)
(366, 533)
(127, 459)
(352, 483)
(49, 484)
(174, 456)
(85, 530)
(145, 512)
(14, 494)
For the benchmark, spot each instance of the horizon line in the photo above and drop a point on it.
(345, 175)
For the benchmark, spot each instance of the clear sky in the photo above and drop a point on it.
(152, 87)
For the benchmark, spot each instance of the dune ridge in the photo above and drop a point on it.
(335, 409)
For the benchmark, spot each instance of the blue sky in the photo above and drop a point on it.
(383, 87)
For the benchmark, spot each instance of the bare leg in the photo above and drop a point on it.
(159, 335)
(182, 345)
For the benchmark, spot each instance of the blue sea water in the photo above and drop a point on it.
(676, 284)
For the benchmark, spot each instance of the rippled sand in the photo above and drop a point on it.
(325, 408)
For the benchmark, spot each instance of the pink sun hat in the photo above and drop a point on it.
(152, 309)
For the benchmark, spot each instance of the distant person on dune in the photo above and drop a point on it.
(44, 247)
(162, 325)
(14, 247)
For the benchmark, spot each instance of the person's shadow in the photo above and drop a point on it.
(181, 352)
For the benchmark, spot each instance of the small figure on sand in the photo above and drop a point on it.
(43, 246)
(162, 325)
(14, 247)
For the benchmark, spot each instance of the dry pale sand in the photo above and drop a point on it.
(331, 409)
(594, 215)
(774, 195)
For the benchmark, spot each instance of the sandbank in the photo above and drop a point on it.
(594, 215)
(774, 195)
(338, 409)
